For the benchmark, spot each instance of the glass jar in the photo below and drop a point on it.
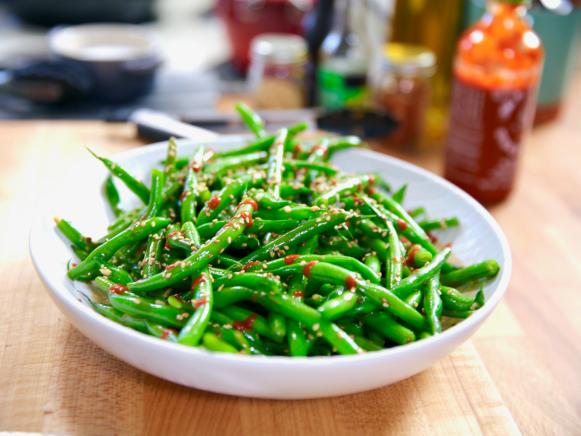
(276, 78)
(401, 86)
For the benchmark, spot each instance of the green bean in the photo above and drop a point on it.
(300, 234)
(259, 226)
(115, 273)
(350, 185)
(317, 167)
(192, 332)
(394, 261)
(197, 261)
(277, 324)
(479, 271)
(417, 212)
(265, 282)
(455, 300)
(75, 237)
(225, 197)
(423, 274)
(156, 194)
(112, 196)
(433, 305)
(441, 224)
(170, 158)
(336, 259)
(222, 166)
(160, 331)
(389, 328)
(367, 344)
(337, 307)
(399, 195)
(297, 339)
(275, 164)
(213, 343)
(251, 321)
(418, 256)
(373, 262)
(252, 120)
(190, 192)
(119, 317)
(105, 251)
(149, 310)
(134, 185)
(414, 299)
(386, 298)
(457, 313)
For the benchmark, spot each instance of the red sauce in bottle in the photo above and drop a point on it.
(496, 71)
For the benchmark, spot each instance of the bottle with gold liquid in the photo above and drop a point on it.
(435, 25)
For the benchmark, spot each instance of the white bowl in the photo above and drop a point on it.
(478, 238)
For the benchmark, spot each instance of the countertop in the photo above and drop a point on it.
(519, 373)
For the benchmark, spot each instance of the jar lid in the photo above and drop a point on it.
(279, 48)
(409, 60)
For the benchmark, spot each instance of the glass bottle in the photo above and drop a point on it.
(437, 26)
(342, 75)
(496, 74)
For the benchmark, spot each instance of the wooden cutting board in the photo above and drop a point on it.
(53, 380)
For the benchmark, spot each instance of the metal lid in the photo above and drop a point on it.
(279, 48)
(409, 60)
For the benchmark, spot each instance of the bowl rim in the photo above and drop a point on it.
(64, 296)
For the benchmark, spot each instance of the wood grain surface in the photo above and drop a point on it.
(520, 373)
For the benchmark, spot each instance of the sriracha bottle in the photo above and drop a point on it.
(496, 74)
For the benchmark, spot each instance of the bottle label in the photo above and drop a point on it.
(338, 90)
(486, 129)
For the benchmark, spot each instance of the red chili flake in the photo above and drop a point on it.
(118, 289)
(307, 268)
(198, 281)
(213, 202)
(297, 149)
(371, 190)
(74, 264)
(347, 224)
(251, 264)
(411, 254)
(372, 180)
(433, 238)
(358, 201)
(246, 324)
(166, 332)
(404, 240)
(350, 282)
(184, 194)
(172, 266)
(298, 294)
(251, 202)
(248, 218)
(196, 167)
(291, 258)
(448, 245)
(173, 234)
(402, 224)
(199, 302)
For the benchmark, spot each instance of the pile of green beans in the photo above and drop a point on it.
(269, 249)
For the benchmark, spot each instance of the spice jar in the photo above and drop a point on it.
(401, 87)
(276, 77)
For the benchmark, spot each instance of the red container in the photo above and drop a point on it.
(245, 19)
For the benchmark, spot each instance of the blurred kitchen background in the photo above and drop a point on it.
(364, 64)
